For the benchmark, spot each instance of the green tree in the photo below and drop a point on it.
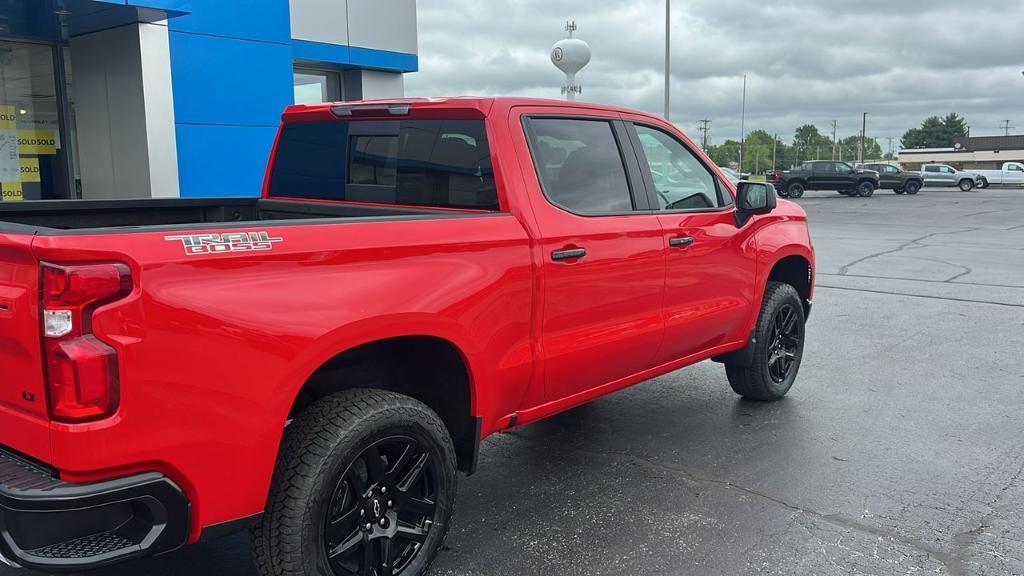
(936, 132)
(810, 144)
(726, 153)
(849, 149)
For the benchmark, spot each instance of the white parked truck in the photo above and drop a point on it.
(1012, 174)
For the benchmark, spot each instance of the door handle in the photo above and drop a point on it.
(568, 254)
(680, 241)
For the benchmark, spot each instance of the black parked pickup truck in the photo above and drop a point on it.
(825, 175)
(895, 178)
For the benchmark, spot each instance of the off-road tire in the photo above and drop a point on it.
(318, 447)
(754, 382)
(795, 190)
(865, 189)
(912, 187)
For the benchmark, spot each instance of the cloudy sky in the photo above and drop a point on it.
(807, 61)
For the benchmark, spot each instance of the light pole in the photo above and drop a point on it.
(863, 134)
(668, 54)
(743, 122)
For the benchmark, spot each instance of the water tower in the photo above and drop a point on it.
(570, 56)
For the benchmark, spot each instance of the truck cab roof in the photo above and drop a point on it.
(475, 106)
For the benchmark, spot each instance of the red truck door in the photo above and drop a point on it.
(710, 263)
(603, 268)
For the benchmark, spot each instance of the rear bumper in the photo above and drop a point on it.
(50, 525)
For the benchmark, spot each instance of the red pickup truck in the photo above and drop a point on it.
(318, 363)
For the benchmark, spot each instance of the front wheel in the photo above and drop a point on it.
(364, 485)
(966, 185)
(778, 347)
(865, 189)
(795, 190)
(912, 187)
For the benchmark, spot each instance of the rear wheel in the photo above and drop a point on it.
(966, 185)
(778, 347)
(865, 189)
(912, 187)
(364, 486)
(899, 190)
(795, 190)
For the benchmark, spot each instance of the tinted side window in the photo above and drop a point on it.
(931, 168)
(579, 164)
(823, 167)
(843, 168)
(680, 180)
(440, 163)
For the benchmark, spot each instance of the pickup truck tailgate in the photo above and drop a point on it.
(23, 417)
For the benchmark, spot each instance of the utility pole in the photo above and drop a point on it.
(835, 143)
(775, 152)
(1006, 127)
(891, 151)
(743, 122)
(863, 134)
(668, 54)
(704, 133)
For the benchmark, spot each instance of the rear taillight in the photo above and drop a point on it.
(81, 371)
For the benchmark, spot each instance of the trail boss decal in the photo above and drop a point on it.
(223, 243)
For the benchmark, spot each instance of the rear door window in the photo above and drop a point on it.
(580, 164)
(436, 163)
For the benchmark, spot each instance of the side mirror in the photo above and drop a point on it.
(753, 198)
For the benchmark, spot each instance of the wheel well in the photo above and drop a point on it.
(431, 370)
(795, 271)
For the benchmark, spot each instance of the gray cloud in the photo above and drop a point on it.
(807, 61)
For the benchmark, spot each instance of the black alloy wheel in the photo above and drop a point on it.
(865, 189)
(795, 190)
(382, 510)
(912, 187)
(783, 343)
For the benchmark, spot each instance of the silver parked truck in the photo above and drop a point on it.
(946, 175)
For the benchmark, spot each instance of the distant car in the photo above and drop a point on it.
(825, 175)
(946, 175)
(897, 179)
(732, 175)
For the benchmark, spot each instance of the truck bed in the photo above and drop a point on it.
(49, 217)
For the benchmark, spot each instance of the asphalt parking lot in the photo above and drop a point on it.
(900, 449)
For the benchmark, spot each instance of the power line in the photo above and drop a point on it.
(835, 143)
(704, 127)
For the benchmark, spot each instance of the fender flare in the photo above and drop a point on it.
(745, 355)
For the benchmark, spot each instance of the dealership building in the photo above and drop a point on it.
(178, 98)
(977, 152)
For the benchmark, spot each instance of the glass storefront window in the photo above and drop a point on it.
(314, 86)
(33, 148)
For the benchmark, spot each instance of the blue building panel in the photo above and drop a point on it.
(265, 20)
(222, 160)
(354, 56)
(228, 81)
(383, 59)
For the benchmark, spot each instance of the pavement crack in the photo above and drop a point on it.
(916, 243)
